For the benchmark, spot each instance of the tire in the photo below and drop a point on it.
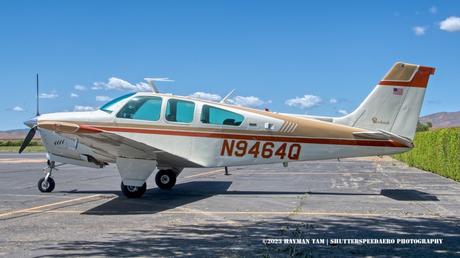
(133, 191)
(46, 187)
(165, 179)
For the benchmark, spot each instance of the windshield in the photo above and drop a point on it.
(108, 107)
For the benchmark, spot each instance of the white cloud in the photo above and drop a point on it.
(450, 24)
(333, 101)
(433, 9)
(51, 95)
(307, 101)
(249, 101)
(18, 109)
(206, 96)
(84, 108)
(419, 30)
(245, 101)
(73, 95)
(120, 84)
(103, 98)
(343, 112)
(80, 87)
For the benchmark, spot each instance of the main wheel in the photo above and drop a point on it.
(46, 186)
(165, 179)
(133, 191)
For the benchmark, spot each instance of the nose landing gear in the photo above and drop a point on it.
(46, 184)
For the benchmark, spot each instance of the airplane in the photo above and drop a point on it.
(145, 132)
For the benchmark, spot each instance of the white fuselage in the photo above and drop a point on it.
(260, 139)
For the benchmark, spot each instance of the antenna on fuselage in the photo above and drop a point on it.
(151, 82)
(227, 96)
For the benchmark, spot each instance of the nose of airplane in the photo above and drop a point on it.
(31, 122)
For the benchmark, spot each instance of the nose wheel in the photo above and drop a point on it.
(165, 179)
(46, 184)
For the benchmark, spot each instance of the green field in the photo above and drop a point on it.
(437, 151)
(13, 146)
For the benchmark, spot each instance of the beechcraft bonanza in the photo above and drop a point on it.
(147, 131)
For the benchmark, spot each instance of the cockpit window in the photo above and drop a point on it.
(142, 108)
(108, 107)
(218, 116)
(180, 111)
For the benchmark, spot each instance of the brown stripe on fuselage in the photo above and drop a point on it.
(306, 127)
(273, 138)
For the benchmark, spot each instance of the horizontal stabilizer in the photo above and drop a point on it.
(371, 135)
(385, 135)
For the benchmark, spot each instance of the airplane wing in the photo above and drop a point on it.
(113, 145)
(384, 135)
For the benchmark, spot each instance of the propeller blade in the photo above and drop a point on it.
(38, 98)
(28, 138)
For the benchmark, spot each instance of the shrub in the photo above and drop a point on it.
(437, 151)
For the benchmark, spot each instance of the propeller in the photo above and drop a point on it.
(28, 138)
(38, 112)
(32, 123)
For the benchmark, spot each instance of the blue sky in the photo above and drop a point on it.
(272, 52)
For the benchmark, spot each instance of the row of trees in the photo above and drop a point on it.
(422, 127)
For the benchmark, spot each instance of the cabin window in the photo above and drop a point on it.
(108, 107)
(142, 108)
(180, 111)
(218, 116)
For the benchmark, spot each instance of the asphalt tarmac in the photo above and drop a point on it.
(317, 209)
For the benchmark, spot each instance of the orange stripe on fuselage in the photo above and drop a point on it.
(353, 142)
(88, 129)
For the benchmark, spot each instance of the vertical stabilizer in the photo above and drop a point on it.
(395, 103)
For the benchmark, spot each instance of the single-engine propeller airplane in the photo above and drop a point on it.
(147, 131)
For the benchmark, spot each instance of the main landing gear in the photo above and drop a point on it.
(46, 184)
(165, 180)
(133, 191)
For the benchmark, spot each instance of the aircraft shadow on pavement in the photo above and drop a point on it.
(408, 195)
(156, 200)
(395, 194)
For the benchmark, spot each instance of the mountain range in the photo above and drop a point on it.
(16, 134)
(442, 119)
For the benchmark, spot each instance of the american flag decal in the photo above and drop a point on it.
(398, 91)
